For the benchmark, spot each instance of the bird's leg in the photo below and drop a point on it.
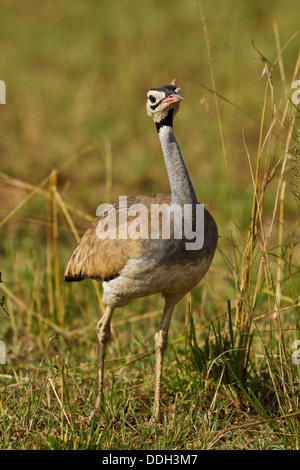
(161, 342)
(103, 335)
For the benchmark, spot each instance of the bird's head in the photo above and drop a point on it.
(163, 103)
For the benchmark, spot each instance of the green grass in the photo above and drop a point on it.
(75, 134)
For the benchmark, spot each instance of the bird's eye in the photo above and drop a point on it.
(152, 99)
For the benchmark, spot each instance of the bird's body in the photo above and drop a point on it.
(133, 263)
(130, 268)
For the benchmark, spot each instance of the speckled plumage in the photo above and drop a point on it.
(131, 268)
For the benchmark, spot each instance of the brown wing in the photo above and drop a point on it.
(100, 259)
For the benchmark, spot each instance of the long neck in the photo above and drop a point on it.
(182, 190)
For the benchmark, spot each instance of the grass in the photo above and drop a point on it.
(229, 379)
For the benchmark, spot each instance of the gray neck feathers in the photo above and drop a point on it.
(182, 190)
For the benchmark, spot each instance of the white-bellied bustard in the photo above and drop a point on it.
(131, 267)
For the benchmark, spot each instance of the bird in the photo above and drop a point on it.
(139, 266)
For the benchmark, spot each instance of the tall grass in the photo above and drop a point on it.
(229, 379)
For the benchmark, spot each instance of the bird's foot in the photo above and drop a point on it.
(157, 415)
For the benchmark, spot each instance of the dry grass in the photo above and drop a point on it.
(229, 380)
